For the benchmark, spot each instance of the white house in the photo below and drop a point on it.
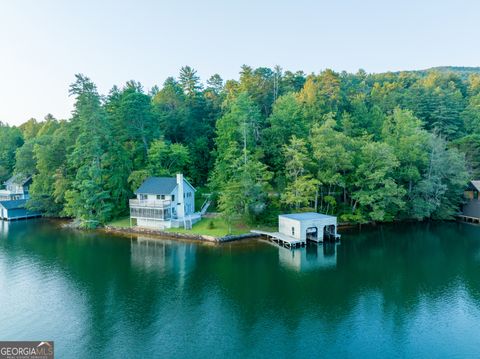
(17, 187)
(13, 199)
(310, 225)
(164, 202)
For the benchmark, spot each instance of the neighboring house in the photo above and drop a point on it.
(17, 187)
(13, 199)
(472, 206)
(164, 202)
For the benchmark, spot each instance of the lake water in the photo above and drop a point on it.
(392, 291)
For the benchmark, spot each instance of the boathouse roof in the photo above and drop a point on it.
(306, 216)
(19, 203)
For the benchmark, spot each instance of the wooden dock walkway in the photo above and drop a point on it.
(468, 219)
(282, 239)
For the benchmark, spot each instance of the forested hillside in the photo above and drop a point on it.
(368, 147)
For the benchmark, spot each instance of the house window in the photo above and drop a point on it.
(173, 197)
(158, 196)
(293, 231)
(143, 196)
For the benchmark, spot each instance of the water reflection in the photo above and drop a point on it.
(390, 291)
(4, 228)
(164, 255)
(312, 256)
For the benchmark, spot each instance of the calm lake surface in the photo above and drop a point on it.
(391, 291)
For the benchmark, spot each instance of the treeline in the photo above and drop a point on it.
(368, 147)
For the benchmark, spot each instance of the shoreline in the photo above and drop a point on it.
(159, 234)
(177, 235)
(192, 236)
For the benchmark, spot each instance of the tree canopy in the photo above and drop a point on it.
(366, 147)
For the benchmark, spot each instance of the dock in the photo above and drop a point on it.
(468, 219)
(282, 239)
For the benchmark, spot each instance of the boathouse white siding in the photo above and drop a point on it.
(297, 225)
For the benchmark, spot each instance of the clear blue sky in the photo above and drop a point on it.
(45, 42)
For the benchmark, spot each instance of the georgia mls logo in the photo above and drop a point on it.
(45, 344)
(26, 350)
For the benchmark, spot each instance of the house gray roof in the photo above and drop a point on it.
(18, 179)
(476, 184)
(157, 185)
(306, 216)
(19, 203)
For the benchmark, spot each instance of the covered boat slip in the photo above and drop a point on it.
(295, 229)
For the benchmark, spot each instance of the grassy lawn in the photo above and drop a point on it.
(120, 222)
(219, 228)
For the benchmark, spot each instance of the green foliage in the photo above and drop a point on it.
(48, 186)
(301, 187)
(438, 194)
(166, 159)
(211, 224)
(245, 193)
(96, 192)
(10, 139)
(285, 121)
(367, 147)
(375, 192)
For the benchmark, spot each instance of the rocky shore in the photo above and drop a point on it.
(175, 235)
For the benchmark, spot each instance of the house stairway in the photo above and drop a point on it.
(187, 222)
(205, 205)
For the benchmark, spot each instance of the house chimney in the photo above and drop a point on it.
(180, 194)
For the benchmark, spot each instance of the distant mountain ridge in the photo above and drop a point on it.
(463, 71)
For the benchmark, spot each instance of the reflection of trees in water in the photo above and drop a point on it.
(398, 265)
(139, 287)
(409, 264)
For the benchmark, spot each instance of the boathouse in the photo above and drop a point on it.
(296, 228)
(15, 209)
(471, 207)
(312, 226)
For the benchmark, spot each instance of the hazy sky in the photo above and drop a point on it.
(45, 42)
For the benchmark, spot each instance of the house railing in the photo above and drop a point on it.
(150, 203)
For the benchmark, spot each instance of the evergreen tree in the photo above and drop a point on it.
(301, 187)
(96, 159)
